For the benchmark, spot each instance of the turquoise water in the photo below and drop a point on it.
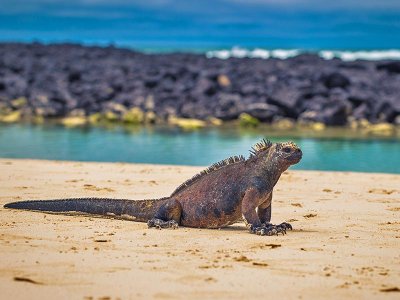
(212, 24)
(172, 146)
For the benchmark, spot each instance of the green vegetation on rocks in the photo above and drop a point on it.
(94, 118)
(246, 120)
(11, 117)
(110, 116)
(284, 124)
(133, 116)
(73, 121)
(187, 124)
(385, 129)
(150, 117)
(214, 121)
(19, 102)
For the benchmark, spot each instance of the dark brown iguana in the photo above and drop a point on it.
(216, 197)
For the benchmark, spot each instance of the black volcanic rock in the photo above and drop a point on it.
(287, 99)
(263, 111)
(335, 80)
(229, 106)
(393, 67)
(61, 79)
(387, 109)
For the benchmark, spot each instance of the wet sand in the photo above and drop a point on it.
(345, 242)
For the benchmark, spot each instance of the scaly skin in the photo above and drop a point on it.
(219, 196)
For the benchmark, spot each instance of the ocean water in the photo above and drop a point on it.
(199, 148)
(348, 29)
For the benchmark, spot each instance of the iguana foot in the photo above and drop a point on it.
(270, 229)
(158, 224)
(285, 226)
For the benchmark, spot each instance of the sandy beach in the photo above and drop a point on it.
(345, 242)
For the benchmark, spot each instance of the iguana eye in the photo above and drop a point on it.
(287, 149)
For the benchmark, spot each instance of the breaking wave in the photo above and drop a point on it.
(325, 54)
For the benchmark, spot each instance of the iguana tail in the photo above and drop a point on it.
(135, 210)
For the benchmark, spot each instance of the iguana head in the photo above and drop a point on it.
(286, 153)
(280, 155)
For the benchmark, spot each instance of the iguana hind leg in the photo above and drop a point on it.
(167, 216)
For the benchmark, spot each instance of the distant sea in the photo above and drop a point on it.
(281, 53)
(348, 30)
(249, 52)
(265, 53)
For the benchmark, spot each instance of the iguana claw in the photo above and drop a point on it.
(270, 229)
(159, 224)
(285, 226)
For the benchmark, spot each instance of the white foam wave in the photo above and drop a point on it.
(365, 55)
(255, 53)
(325, 54)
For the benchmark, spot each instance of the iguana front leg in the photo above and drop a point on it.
(259, 221)
(249, 204)
(264, 210)
(264, 213)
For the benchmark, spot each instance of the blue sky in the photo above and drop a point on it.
(308, 24)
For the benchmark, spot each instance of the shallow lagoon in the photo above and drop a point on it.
(342, 150)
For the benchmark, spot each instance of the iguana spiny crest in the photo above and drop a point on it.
(258, 149)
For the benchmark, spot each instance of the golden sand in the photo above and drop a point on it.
(345, 242)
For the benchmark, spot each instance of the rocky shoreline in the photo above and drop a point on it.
(91, 84)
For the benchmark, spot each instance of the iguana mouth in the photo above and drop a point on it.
(295, 157)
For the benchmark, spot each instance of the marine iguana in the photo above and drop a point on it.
(218, 196)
